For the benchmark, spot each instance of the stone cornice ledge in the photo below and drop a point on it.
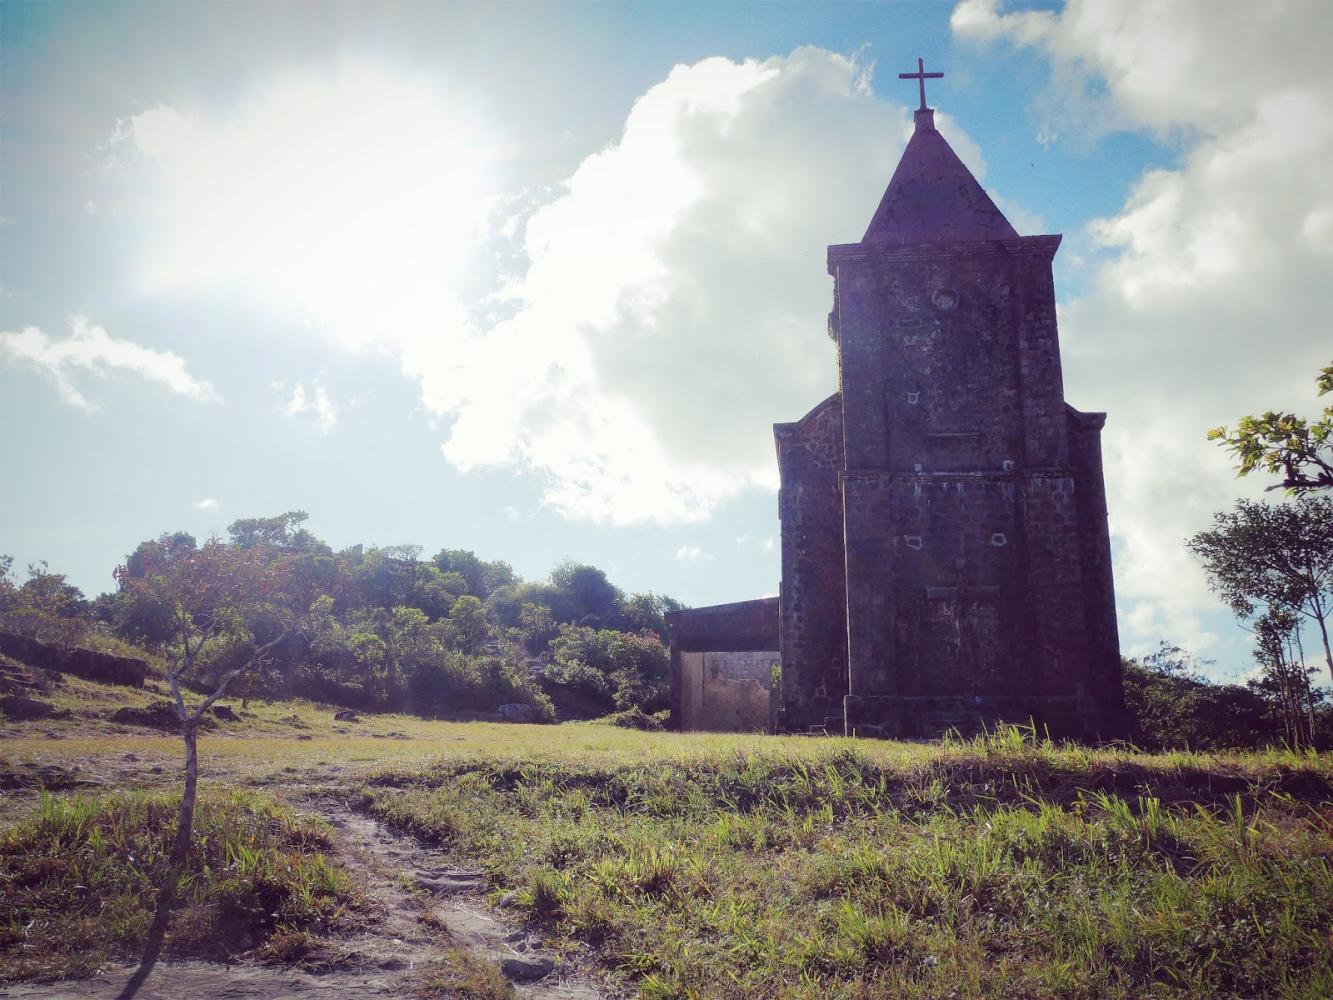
(1032, 246)
(970, 475)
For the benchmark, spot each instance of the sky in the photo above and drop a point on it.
(537, 279)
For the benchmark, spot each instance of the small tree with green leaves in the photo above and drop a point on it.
(467, 627)
(1264, 557)
(220, 602)
(1283, 444)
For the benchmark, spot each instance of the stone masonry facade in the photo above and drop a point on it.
(945, 556)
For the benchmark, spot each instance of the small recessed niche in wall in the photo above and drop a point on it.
(914, 397)
(944, 299)
(913, 541)
(998, 539)
(1008, 465)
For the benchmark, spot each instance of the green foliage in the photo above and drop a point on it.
(381, 628)
(634, 718)
(640, 667)
(459, 682)
(1267, 559)
(647, 613)
(1286, 681)
(536, 628)
(45, 607)
(583, 595)
(1283, 444)
(81, 878)
(581, 679)
(281, 532)
(1277, 555)
(609, 669)
(468, 628)
(480, 578)
(1173, 713)
(227, 608)
(1176, 708)
(51, 594)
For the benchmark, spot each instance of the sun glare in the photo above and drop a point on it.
(356, 199)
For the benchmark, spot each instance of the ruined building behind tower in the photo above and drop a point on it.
(945, 556)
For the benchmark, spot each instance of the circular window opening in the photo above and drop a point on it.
(945, 299)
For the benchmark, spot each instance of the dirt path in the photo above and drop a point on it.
(423, 907)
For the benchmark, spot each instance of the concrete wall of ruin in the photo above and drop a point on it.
(728, 691)
(722, 660)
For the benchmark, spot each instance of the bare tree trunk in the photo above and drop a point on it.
(1321, 618)
(185, 820)
(1318, 610)
(1307, 686)
(1284, 691)
(166, 896)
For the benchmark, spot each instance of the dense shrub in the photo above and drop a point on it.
(471, 683)
(634, 718)
(1175, 707)
(1185, 712)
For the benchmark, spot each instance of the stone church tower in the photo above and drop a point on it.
(946, 562)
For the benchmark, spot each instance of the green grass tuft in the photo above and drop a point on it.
(458, 975)
(81, 878)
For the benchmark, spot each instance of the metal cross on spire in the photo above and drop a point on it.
(921, 76)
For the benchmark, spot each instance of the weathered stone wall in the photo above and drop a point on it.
(1085, 436)
(1059, 651)
(965, 552)
(949, 360)
(744, 625)
(813, 623)
(932, 565)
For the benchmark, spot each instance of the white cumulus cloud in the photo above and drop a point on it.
(207, 504)
(670, 296)
(352, 199)
(1211, 296)
(91, 349)
(317, 403)
(674, 300)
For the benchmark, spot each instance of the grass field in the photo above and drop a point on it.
(840, 869)
(746, 866)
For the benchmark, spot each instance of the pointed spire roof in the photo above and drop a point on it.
(933, 198)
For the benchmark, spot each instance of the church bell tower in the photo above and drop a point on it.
(963, 504)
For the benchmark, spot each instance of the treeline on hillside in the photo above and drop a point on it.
(386, 629)
(376, 628)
